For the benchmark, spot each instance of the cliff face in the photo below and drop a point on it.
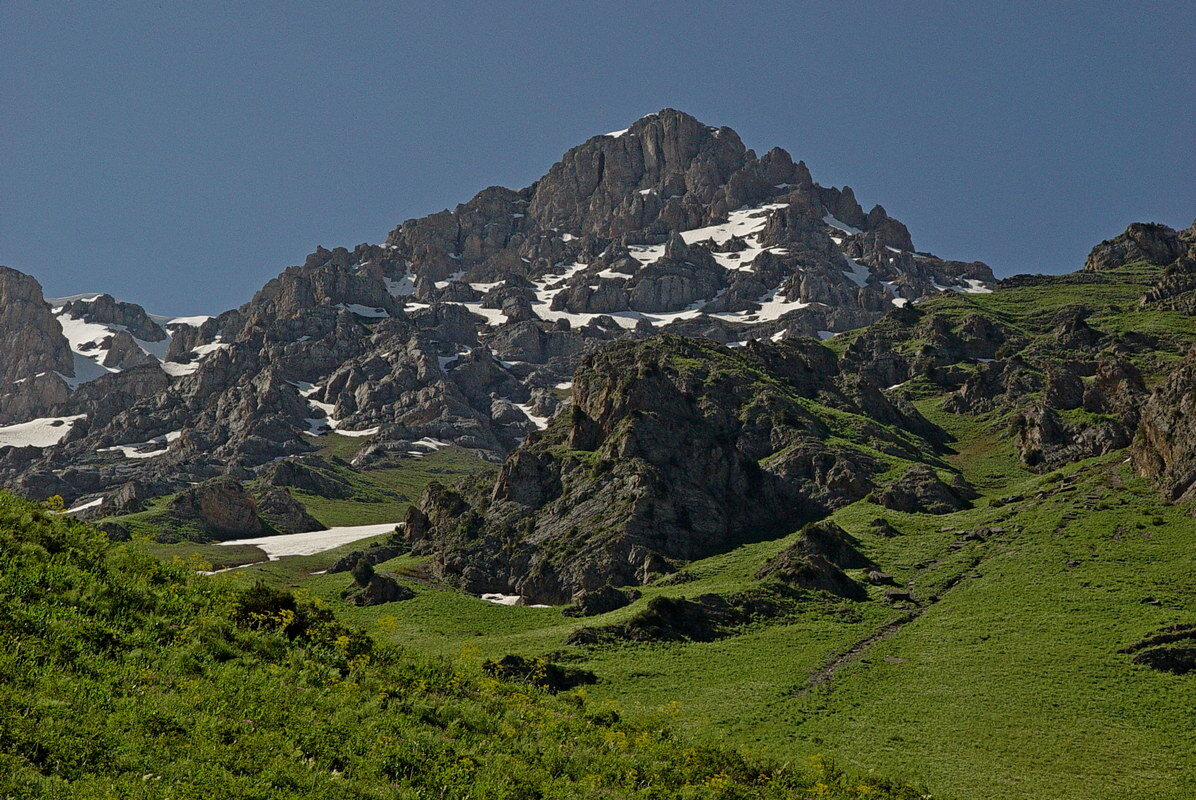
(1165, 448)
(673, 450)
(32, 350)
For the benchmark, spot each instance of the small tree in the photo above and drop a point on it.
(362, 572)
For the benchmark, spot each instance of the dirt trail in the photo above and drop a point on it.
(857, 650)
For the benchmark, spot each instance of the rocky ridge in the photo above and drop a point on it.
(464, 326)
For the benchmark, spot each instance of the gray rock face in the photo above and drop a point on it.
(1046, 440)
(222, 507)
(32, 348)
(677, 457)
(124, 353)
(590, 603)
(105, 309)
(1148, 242)
(921, 489)
(452, 330)
(380, 589)
(284, 513)
(1165, 447)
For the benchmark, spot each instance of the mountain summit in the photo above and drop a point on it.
(459, 328)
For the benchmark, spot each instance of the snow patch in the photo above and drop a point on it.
(306, 544)
(160, 444)
(85, 506)
(41, 432)
(840, 224)
(365, 311)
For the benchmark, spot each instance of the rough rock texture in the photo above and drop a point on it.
(284, 513)
(1142, 241)
(920, 489)
(461, 326)
(546, 675)
(704, 618)
(591, 602)
(31, 340)
(310, 474)
(374, 555)
(106, 309)
(32, 348)
(816, 561)
(673, 449)
(222, 506)
(378, 590)
(1165, 447)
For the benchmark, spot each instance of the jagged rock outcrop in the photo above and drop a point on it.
(920, 489)
(816, 561)
(310, 474)
(282, 512)
(592, 602)
(1165, 447)
(32, 350)
(673, 449)
(107, 310)
(460, 327)
(221, 507)
(31, 340)
(379, 589)
(1141, 241)
(1046, 439)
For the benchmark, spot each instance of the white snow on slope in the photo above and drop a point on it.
(403, 287)
(84, 506)
(857, 272)
(365, 311)
(840, 224)
(42, 432)
(86, 342)
(975, 287)
(536, 419)
(306, 544)
(972, 286)
(317, 425)
(509, 600)
(428, 444)
(159, 445)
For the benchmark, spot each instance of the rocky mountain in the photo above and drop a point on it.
(464, 327)
(675, 449)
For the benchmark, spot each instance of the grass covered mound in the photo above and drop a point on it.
(122, 676)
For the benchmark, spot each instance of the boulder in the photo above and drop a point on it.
(920, 489)
(377, 590)
(591, 602)
(1141, 242)
(283, 512)
(221, 506)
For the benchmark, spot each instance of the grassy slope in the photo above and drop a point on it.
(121, 676)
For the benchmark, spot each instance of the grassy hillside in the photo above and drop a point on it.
(1009, 684)
(999, 677)
(122, 676)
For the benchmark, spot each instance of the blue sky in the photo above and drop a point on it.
(179, 155)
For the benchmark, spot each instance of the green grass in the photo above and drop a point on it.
(123, 676)
(1007, 683)
(1009, 686)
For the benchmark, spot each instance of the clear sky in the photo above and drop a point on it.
(181, 154)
